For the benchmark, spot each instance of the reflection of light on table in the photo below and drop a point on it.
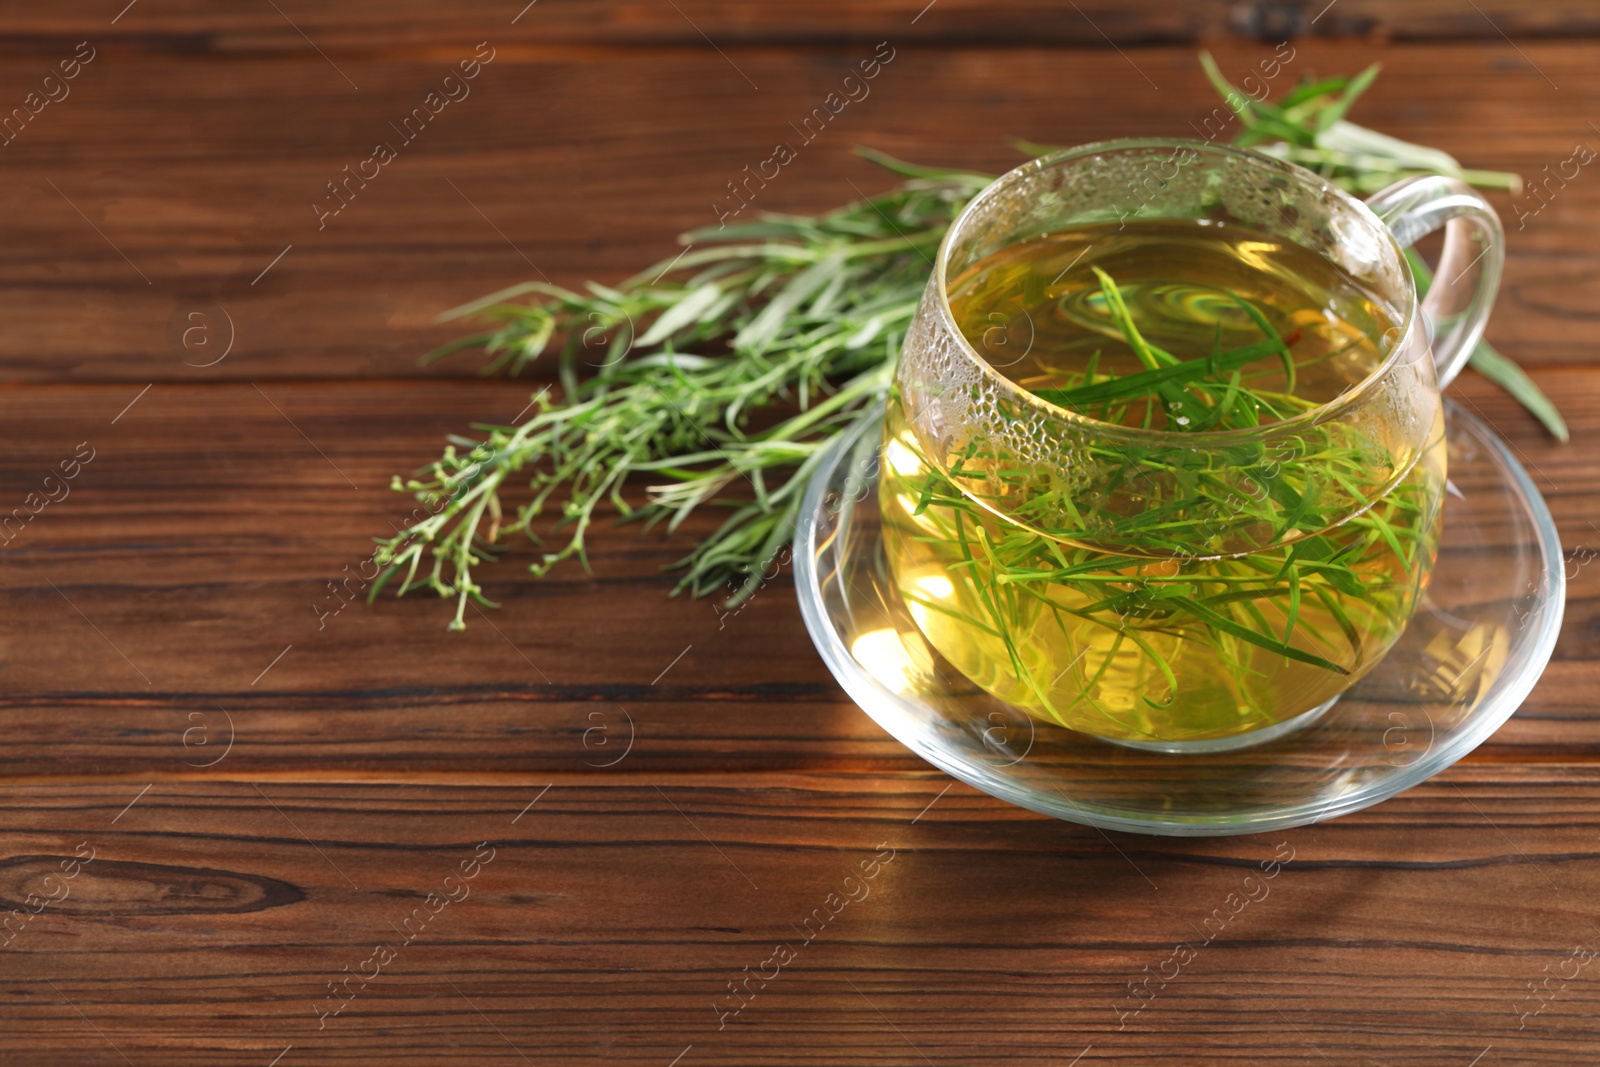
(1461, 667)
(894, 659)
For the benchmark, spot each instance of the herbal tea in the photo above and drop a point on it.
(1159, 601)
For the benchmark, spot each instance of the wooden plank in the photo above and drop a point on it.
(213, 25)
(267, 798)
(200, 543)
(604, 924)
(170, 187)
(148, 609)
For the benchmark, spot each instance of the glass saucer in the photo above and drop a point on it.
(1470, 656)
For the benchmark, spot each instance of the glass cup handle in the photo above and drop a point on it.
(1464, 286)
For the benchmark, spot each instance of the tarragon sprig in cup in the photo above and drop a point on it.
(1231, 547)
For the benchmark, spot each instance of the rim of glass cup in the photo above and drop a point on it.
(1029, 170)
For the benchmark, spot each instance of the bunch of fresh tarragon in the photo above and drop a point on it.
(720, 376)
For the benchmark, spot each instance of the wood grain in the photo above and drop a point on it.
(213, 25)
(576, 165)
(985, 934)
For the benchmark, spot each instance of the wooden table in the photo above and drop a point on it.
(269, 791)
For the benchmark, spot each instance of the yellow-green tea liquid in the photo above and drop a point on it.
(1139, 670)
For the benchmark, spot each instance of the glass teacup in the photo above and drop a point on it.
(1213, 560)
